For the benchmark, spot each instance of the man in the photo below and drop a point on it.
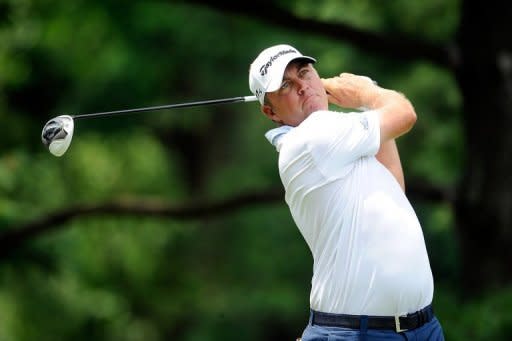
(345, 189)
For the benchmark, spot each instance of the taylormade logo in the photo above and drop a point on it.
(264, 67)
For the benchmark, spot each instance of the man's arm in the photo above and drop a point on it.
(389, 157)
(397, 115)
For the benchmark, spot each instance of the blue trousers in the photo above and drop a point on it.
(430, 331)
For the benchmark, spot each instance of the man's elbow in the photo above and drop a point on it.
(397, 119)
(406, 112)
(409, 115)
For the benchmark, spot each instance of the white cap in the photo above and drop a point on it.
(267, 70)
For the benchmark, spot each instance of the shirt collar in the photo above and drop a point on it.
(275, 135)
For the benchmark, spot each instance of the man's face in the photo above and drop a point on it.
(301, 93)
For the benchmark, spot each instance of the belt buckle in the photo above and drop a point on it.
(397, 325)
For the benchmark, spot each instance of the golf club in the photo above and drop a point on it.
(58, 132)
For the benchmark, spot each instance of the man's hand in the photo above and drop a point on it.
(351, 91)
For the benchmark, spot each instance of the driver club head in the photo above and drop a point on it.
(57, 134)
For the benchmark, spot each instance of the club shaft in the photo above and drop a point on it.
(168, 106)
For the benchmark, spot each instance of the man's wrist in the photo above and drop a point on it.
(372, 99)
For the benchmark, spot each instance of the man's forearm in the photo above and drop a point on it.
(389, 157)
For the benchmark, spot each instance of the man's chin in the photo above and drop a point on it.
(314, 103)
(313, 108)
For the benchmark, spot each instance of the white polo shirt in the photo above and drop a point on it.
(367, 244)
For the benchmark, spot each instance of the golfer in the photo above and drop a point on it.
(345, 189)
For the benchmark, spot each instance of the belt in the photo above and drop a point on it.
(397, 323)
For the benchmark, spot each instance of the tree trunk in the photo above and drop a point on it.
(484, 203)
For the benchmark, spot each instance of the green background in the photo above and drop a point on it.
(238, 274)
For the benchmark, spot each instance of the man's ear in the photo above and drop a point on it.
(267, 111)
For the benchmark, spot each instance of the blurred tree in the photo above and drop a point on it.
(484, 200)
(485, 182)
(166, 229)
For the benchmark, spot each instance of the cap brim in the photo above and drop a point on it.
(277, 77)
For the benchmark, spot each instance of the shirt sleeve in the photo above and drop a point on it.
(338, 140)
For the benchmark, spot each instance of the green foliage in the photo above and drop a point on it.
(95, 169)
(438, 18)
(126, 278)
(484, 318)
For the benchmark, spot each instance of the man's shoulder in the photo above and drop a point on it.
(316, 124)
(323, 118)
